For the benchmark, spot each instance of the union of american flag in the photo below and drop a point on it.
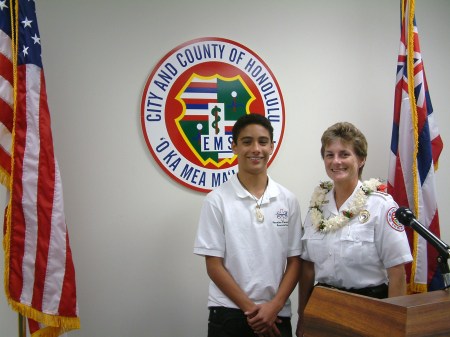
(39, 272)
(415, 149)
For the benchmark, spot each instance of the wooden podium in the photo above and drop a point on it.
(332, 312)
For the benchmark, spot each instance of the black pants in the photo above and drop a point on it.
(230, 322)
(380, 291)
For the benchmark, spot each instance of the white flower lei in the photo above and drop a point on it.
(356, 205)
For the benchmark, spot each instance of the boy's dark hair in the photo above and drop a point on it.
(248, 119)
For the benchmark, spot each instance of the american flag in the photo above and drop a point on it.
(415, 149)
(39, 272)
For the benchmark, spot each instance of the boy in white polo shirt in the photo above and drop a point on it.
(249, 232)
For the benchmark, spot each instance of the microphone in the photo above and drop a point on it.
(407, 218)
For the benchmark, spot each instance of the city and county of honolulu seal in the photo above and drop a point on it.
(191, 101)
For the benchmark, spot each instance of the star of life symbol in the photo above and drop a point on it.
(193, 98)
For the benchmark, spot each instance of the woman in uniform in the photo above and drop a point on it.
(352, 240)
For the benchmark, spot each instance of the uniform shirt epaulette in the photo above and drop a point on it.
(380, 193)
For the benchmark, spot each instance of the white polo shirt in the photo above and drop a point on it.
(358, 254)
(254, 252)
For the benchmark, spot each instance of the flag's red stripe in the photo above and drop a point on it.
(421, 119)
(401, 197)
(405, 87)
(401, 59)
(18, 229)
(68, 303)
(398, 102)
(418, 68)
(6, 111)
(33, 326)
(195, 118)
(399, 191)
(202, 85)
(46, 188)
(403, 34)
(5, 160)
(6, 69)
(416, 40)
(198, 101)
(437, 146)
(6, 115)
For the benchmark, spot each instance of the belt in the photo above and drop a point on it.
(380, 291)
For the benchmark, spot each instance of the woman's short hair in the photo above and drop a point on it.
(348, 134)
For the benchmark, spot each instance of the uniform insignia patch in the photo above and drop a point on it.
(392, 220)
(364, 216)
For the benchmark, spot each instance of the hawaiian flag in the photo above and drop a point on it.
(39, 272)
(415, 149)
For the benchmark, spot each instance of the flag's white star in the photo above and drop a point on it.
(36, 39)
(3, 4)
(27, 23)
(25, 51)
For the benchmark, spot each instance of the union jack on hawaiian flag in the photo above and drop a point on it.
(415, 149)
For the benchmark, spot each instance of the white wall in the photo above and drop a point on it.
(131, 227)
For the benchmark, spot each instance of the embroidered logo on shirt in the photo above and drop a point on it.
(282, 218)
(392, 220)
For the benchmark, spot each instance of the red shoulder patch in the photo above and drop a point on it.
(392, 220)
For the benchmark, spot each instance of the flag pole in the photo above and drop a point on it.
(22, 326)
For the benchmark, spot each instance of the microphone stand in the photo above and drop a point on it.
(407, 218)
(444, 253)
(445, 270)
